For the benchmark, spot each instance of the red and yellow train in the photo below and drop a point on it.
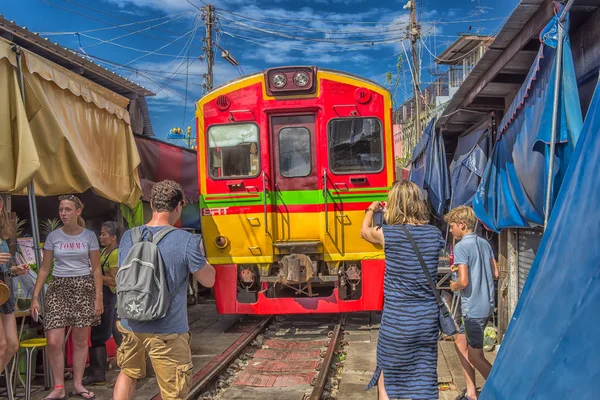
(289, 159)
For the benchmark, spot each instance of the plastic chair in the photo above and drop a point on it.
(30, 345)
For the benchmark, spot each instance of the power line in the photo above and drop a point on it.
(162, 47)
(133, 33)
(101, 21)
(111, 27)
(299, 38)
(374, 36)
(148, 52)
(272, 44)
(111, 15)
(304, 28)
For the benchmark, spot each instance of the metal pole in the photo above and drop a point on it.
(30, 187)
(414, 36)
(32, 205)
(559, 61)
(208, 45)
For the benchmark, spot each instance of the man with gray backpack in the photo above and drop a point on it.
(154, 263)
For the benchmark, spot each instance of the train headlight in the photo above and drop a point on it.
(301, 79)
(279, 80)
(221, 242)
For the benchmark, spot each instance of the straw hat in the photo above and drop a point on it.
(4, 293)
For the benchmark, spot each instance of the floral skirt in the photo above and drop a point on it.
(70, 302)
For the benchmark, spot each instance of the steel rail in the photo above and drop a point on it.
(229, 356)
(221, 362)
(336, 337)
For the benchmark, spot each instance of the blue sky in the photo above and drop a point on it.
(363, 37)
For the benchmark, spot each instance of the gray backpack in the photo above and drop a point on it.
(142, 290)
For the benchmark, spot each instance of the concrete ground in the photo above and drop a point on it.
(211, 336)
(209, 339)
(361, 334)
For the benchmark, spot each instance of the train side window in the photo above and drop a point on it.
(355, 145)
(295, 159)
(233, 151)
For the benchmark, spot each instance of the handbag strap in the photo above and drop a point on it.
(422, 262)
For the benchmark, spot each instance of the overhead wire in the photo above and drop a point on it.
(100, 20)
(112, 15)
(132, 33)
(111, 27)
(307, 29)
(148, 52)
(305, 39)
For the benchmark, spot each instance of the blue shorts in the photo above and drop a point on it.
(473, 328)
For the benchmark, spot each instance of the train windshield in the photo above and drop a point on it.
(355, 145)
(233, 151)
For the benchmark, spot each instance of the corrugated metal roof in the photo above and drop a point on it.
(493, 83)
(68, 59)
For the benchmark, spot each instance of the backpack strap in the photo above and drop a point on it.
(136, 234)
(162, 233)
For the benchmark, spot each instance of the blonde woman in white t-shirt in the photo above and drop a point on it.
(74, 297)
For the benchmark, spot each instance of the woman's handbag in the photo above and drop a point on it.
(4, 293)
(447, 323)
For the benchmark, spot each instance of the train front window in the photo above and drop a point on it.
(295, 160)
(355, 145)
(233, 151)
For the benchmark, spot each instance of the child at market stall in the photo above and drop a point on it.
(74, 297)
(477, 270)
(9, 340)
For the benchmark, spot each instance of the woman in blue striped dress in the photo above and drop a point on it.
(407, 348)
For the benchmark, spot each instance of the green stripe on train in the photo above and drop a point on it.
(292, 197)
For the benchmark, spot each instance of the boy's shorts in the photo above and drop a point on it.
(474, 328)
(170, 355)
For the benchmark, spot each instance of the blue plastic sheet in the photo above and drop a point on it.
(551, 350)
(430, 169)
(513, 190)
(468, 166)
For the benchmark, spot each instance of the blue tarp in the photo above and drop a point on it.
(512, 192)
(430, 169)
(468, 165)
(551, 348)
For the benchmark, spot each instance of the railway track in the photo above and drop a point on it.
(293, 358)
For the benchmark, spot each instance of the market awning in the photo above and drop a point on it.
(17, 149)
(429, 169)
(552, 338)
(80, 131)
(160, 161)
(468, 165)
(512, 193)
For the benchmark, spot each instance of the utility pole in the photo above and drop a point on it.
(414, 37)
(208, 15)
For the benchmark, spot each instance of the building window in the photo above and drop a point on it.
(295, 158)
(355, 145)
(233, 151)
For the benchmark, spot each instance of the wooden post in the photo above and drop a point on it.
(513, 272)
(502, 283)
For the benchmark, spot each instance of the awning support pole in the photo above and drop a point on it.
(559, 61)
(32, 208)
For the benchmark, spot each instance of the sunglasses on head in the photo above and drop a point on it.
(67, 197)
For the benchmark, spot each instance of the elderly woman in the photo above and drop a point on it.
(407, 347)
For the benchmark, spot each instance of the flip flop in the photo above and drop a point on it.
(81, 395)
